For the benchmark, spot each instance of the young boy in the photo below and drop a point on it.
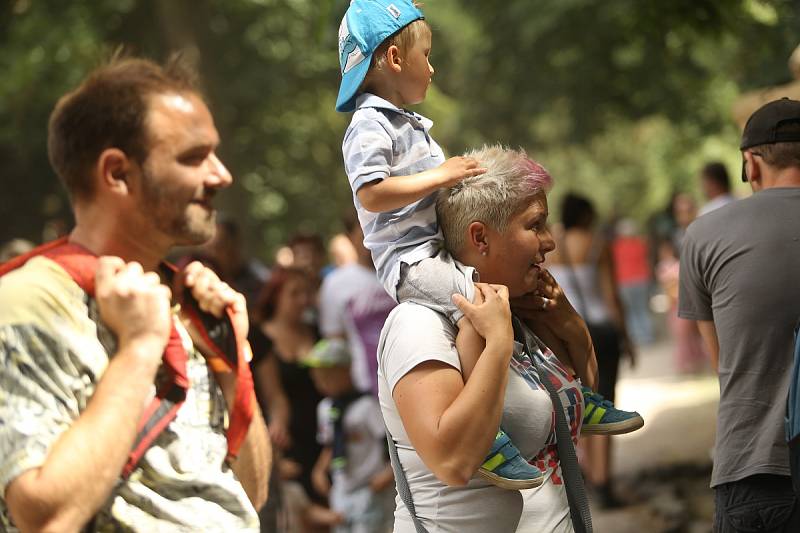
(395, 168)
(352, 433)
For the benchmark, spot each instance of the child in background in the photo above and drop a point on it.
(395, 169)
(352, 434)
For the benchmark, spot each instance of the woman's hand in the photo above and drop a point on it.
(547, 304)
(490, 313)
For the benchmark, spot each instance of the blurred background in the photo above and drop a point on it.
(631, 104)
(623, 99)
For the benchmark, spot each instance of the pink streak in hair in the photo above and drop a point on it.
(535, 175)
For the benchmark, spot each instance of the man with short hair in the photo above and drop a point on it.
(739, 280)
(716, 187)
(82, 361)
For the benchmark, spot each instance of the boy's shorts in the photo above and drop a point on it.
(433, 281)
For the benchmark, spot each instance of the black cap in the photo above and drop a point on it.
(774, 122)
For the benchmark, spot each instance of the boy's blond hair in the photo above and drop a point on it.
(403, 40)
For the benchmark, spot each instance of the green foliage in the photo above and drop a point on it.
(621, 100)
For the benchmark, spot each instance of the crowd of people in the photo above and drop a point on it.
(447, 361)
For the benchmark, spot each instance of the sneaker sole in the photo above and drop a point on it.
(510, 484)
(614, 428)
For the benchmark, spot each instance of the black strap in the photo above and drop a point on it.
(402, 484)
(570, 471)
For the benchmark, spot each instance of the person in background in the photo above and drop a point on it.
(716, 187)
(308, 253)
(689, 354)
(632, 270)
(246, 274)
(287, 338)
(341, 250)
(354, 305)
(582, 264)
(353, 437)
(684, 211)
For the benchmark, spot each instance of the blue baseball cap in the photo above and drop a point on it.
(366, 24)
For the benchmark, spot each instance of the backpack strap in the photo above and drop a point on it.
(579, 511)
(403, 489)
(231, 353)
(230, 347)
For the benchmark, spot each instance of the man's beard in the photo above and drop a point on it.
(185, 222)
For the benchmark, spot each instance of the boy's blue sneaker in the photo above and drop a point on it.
(600, 417)
(505, 467)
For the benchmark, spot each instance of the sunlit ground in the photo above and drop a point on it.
(663, 468)
(679, 413)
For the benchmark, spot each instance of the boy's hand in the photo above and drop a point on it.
(458, 168)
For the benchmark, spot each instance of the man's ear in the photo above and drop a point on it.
(393, 59)
(477, 237)
(752, 166)
(112, 170)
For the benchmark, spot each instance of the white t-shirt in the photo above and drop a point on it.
(353, 303)
(365, 441)
(716, 203)
(414, 334)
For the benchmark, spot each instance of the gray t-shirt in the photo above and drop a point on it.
(414, 334)
(740, 267)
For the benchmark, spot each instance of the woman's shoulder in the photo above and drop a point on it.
(422, 319)
(413, 334)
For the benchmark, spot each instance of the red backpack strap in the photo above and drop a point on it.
(162, 409)
(231, 353)
(81, 265)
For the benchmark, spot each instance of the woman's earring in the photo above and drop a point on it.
(484, 252)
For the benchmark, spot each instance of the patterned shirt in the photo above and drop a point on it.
(382, 141)
(569, 393)
(53, 352)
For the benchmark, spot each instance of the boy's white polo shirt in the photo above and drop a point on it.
(382, 141)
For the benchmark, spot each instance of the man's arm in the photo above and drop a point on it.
(709, 333)
(85, 462)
